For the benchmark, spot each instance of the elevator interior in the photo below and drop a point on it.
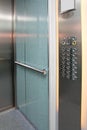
(26, 24)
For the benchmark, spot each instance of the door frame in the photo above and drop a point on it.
(53, 64)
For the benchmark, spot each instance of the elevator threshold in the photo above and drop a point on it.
(12, 119)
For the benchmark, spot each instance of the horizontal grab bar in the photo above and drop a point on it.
(44, 72)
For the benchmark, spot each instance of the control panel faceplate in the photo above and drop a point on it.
(69, 58)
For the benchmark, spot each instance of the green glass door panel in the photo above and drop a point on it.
(37, 28)
(20, 75)
(32, 49)
(20, 30)
(37, 99)
(20, 54)
(34, 57)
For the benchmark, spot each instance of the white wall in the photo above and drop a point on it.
(84, 65)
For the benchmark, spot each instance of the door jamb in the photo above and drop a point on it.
(53, 64)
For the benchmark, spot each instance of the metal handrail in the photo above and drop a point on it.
(44, 72)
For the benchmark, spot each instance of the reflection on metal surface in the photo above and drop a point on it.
(5, 28)
(5, 35)
(44, 72)
(22, 35)
(6, 89)
(31, 19)
(5, 17)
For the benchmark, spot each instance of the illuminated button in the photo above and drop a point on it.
(74, 43)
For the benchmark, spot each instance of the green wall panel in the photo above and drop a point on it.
(32, 49)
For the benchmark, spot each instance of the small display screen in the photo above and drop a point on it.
(67, 5)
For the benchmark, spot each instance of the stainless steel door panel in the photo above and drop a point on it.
(6, 95)
(6, 54)
(5, 28)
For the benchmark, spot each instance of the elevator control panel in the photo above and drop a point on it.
(69, 58)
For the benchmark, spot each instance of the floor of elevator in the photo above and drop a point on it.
(13, 120)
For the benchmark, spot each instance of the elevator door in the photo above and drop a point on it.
(6, 89)
(32, 61)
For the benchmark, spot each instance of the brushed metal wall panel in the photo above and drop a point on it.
(70, 90)
(6, 54)
(6, 95)
(5, 28)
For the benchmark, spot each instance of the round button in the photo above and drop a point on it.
(63, 49)
(63, 54)
(68, 76)
(68, 72)
(74, 43)
(68, 67)
(74, 77)
(63, 43)
(68, 63)
(63, 58)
